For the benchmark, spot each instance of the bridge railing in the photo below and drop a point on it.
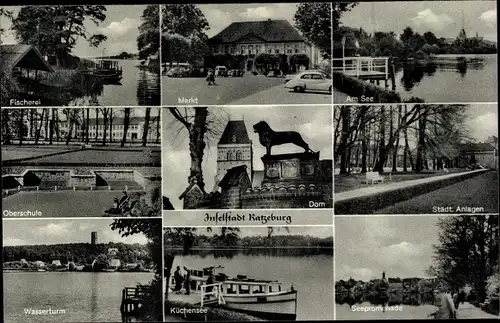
(216, 291)
(359, 65)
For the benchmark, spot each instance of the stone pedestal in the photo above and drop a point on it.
(290, 168)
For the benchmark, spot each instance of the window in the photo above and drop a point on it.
(226, 49)
(289, 51)
(250, 49)
(257, 50)
(277, 51)
(306, 76)
(296, 50)
(317, 77)
(231, 49)
(270, 51)
(244, 289)
(238, 155)
(229, 155)
(243, 49)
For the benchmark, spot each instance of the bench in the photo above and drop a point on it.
(373, 177)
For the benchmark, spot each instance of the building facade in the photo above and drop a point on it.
(252, 38)
(93, 238)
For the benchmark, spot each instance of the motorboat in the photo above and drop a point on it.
(266, 299)
(108, 71)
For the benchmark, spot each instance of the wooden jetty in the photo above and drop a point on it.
(133, 299)
(372, 69)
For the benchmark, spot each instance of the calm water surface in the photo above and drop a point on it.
(413, 306)
(86, 297)
(445, 79)
(310, 273)
(137, 87)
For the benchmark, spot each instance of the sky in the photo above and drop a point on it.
(313, 123)
(483, 121)
(399, 245)
(316, 231)
(49, 231)
(443, 18)
(120, 26)
(219, 16)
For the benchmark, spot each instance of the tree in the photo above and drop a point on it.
(467, 253)
(145, 130)
(126, 123)
(314, 20)
(59, 34)
(151, 229)
(430, 38)
(148, 41)
(106, 114)
(183, 33)
(197, 129)
(7, 14)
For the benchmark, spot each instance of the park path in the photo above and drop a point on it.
(388, 186)
(465, 310)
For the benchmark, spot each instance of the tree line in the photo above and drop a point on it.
(77, 252)
(184, 31)
(408, 44)
(21, 123)
(366, 136)
(467, 255)
(234, 241)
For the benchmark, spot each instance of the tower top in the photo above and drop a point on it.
(235, 133)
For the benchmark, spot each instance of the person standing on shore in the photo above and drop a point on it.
(178, 279)
(187, 281)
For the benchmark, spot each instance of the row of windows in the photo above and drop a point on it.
(115, 134)
(237, 156)
(228, 49)
(119, 126)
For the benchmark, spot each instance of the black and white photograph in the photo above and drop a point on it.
(81, 162)
(248, 53)
(273, 157)
(409, 51)
(417, 267)
(106, 270)
(416, 159)
(247, 274)
(80, 55)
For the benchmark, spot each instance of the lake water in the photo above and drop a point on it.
(85, 297)
(444, 79)
(311, 273)
(409, 306)
(137, 87)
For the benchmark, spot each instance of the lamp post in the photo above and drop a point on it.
(343, 53)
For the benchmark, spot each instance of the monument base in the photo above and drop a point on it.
(291, 168)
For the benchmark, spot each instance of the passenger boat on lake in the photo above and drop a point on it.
(106, 70)
(265, 299)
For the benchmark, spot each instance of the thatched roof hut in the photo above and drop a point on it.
(22, 56)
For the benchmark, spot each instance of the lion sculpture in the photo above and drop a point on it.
(269, 138)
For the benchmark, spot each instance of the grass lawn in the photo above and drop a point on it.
(354, 181)
(479, 191)
(12, 153)
(62, 203)
(91, 156)
(146, 171)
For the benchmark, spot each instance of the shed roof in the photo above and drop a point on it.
(22, 55)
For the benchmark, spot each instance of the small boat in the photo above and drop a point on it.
(106, 70)
(40, 269)
(109, 270)
(264, 299)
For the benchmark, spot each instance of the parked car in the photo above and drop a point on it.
(220, 71)
(310, 81)
(177, 72)
(235, 73)
(291, 76)
(275, 73)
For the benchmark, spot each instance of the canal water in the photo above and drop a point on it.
(138, 87)
(85, 297)
(445, 79)
(309, 270)
(398, 306)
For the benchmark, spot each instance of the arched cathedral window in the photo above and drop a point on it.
(238, 155)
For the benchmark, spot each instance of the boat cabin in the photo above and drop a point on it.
(251, 287)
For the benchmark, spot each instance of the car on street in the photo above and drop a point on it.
(178, 72)
(288, 77)
(235, 73)
(310, 80)
(220, 71)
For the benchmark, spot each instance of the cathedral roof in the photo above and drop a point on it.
(235, 133)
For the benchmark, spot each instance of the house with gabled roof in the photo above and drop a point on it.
(481, 153)
(252, 38)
